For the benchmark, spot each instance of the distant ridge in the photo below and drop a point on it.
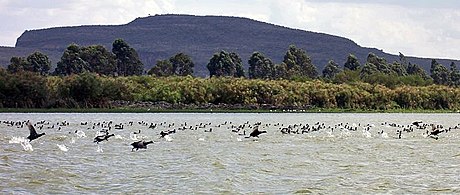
(161, 36)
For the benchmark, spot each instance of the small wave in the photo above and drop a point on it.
(99, 149)
(384, 135)
(133, 136)
(99, 133)
(303, 191)
(168, 138)
(118, 137)
(17, 140)
(62, 147)
(25, 143)
(59, 138)
(80, 134)
(367, 134)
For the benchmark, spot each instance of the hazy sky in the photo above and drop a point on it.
(428, 28)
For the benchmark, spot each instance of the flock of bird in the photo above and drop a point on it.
(164, 130)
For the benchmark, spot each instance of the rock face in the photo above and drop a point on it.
(161, 36)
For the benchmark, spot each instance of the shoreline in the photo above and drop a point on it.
(147, 110)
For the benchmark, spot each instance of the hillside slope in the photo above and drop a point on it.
(161, 36)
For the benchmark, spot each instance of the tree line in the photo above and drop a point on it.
(92, 76)
(123, 60)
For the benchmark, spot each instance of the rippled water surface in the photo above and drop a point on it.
(332, 160)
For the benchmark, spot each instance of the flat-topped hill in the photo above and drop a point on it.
(161, 36)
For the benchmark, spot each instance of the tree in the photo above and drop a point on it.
(299, 63)
(38, 62)
(454, 75)
(71, 62)
(439, 73)
(331, 70)
(414, 69)
(86, 89)
(128, 62)
(163, 68)
(352, 63)
(260, 67)
(99, 59)
(17, 64)
(238, 64)
(182, 64)
(380, 63)
(398, 69)
(403, 60)
(280, 71)
(368, 69)
(225, 64)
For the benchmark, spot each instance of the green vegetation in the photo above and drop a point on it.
(225, 64)
(89, 90)
(92, 77)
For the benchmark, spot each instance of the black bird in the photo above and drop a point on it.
(417, 123)
(100, 138)
(33, 134)
(140, 145)
(435, 132)
(256, 132)
(163, 134)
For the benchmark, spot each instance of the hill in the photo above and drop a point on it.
(161, 36)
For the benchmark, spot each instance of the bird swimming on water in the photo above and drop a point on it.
(33, 134)
(140, 145)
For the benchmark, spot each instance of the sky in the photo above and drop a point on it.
(422, 28)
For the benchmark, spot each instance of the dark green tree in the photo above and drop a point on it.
(260, 67)
(99, 59)
(398, 69)
(87, 89)
(225, 64)
(163, 68)
(71, 62)
(280, 71)
(403, 60)
(331, 70)
(17, 64)
(238, 64)
(439, 73)
(24, 89)
(352, 63)
(128, 62)
(454, 75)
(182, 64)
(368, 69)
(414, 69)
(38, 62)
(380, 63)
(299, 63)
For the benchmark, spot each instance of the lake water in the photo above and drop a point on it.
(332, 160)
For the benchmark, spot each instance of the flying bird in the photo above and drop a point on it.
(33, 134)
(256, 132)
(100, 138)
(140, 145)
